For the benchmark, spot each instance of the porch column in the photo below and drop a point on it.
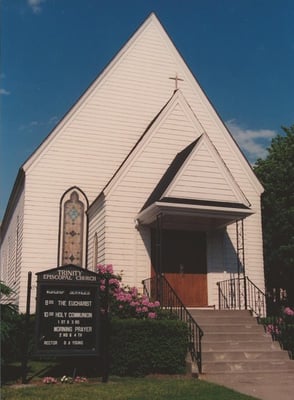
(158, 257)
(240, 247)
(158, 248)
(241, 264)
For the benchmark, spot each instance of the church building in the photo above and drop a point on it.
(141, 173)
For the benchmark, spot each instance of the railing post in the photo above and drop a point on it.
(200, 354)
(157, 287)
(245, 292)
(239, 293)
(219, 296)
(231, 293)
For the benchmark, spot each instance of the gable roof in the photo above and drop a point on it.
(199, 169)
(196, 190)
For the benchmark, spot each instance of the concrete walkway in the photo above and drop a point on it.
(267, 386)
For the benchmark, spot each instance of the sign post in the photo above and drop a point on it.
(68, 312)
(24, 363)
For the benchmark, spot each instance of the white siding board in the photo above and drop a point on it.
(11, 247)
(97, 226)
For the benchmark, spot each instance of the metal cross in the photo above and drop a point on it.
(176, 79)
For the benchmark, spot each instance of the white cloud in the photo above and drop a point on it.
(32, 125)
(254, 143)
(36, 5)
(53, 119)
(4, 92)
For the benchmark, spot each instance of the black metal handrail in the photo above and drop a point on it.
(158, 288)
(241, 294)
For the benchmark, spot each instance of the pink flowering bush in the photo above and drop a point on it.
(129, 303)
(65, 379)
(281, 328)
(106, 272)
(289, 311)
(49, 380)
(124, 301)
(272, 329)
(80, 379)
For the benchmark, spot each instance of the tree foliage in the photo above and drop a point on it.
(276, 173)
(9, 315)
(8, 310)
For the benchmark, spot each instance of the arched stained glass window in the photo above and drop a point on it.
(73, 229)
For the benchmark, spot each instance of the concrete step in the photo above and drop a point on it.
(223, 317)
(235, 336)
(267, 345)
(248, 366)
(234, 343)
(233, 356)
(248, 327)
(219, 313)
(226, 321)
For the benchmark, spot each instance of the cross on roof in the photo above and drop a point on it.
(176, 79)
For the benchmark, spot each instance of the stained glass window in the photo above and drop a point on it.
(73, 230)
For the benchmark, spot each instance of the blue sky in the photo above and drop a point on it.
(241, 52)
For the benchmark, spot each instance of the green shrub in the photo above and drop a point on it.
(140, 347)
(10, 321)
(12, 343)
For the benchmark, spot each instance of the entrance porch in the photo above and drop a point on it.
(179, 232)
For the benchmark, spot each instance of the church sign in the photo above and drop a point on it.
(67, 314)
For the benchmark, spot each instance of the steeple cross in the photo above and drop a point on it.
(176, 79)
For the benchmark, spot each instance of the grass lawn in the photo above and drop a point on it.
(158, 387)
(148, 388)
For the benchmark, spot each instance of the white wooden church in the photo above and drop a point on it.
(141, 165)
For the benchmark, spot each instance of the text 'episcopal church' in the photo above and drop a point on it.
(141, 165)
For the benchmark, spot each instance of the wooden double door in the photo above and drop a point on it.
(183, 262)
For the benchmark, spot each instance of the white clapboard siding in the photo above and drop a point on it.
(11, 246)
(215, 263)
(96, 234)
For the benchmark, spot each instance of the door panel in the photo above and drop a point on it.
(184, 265)
(191, 288)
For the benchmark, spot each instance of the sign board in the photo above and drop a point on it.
(67, 314)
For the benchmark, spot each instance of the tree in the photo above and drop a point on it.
(276, 173)
(9, 315)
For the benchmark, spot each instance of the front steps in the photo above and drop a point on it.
(234, 342)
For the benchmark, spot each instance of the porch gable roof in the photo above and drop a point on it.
(198, 186)
(197, 174)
